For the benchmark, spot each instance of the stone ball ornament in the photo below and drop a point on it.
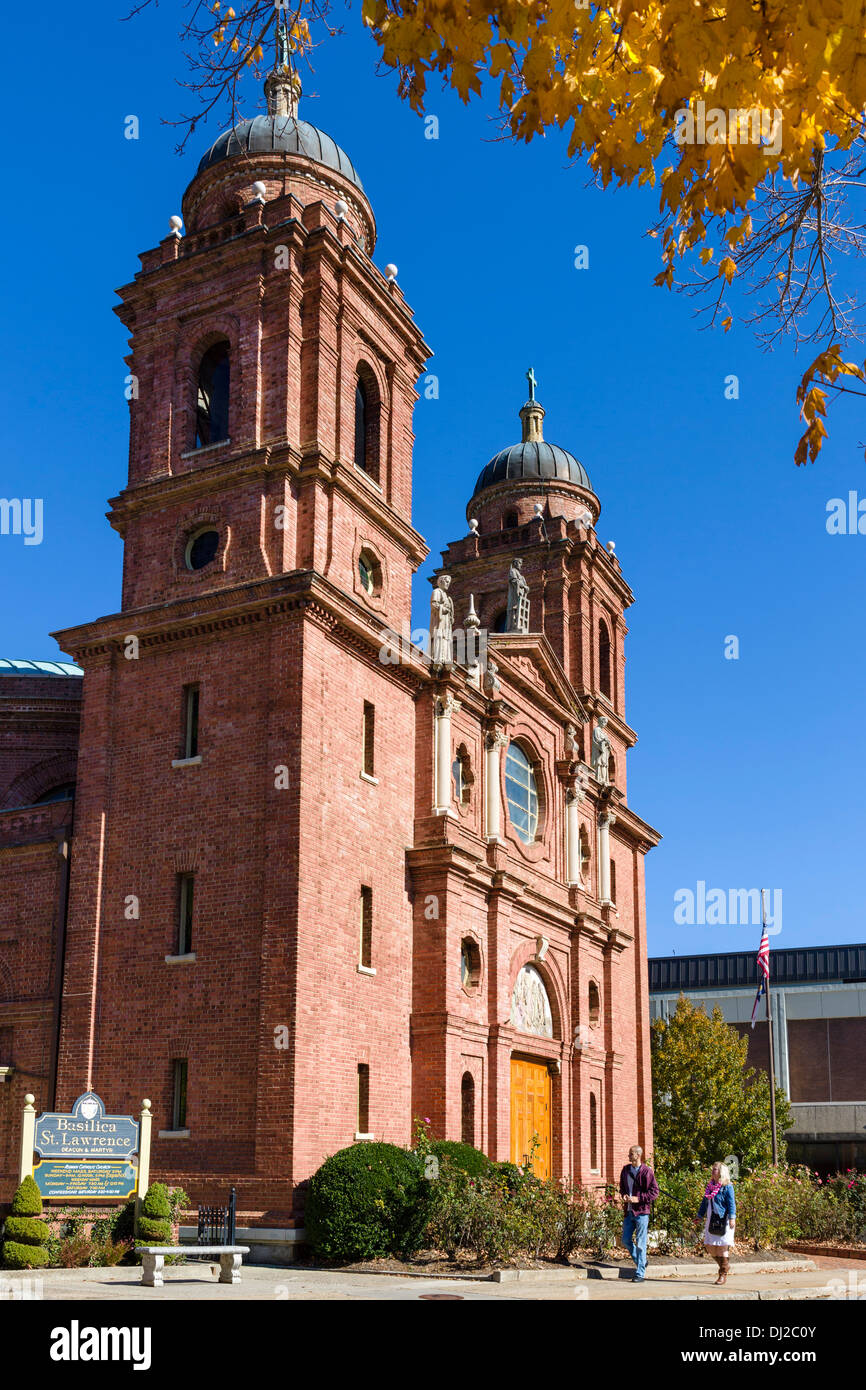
(390, 271)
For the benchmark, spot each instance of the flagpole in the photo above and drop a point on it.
(773, 1135)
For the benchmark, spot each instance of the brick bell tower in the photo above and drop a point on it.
(246, 768)
(536, 861)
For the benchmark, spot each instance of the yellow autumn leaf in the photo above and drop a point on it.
(728, 268)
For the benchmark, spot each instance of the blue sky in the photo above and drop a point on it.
(752, 769)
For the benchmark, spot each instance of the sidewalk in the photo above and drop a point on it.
(834, 1280)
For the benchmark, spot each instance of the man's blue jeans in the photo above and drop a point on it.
(634, 1234)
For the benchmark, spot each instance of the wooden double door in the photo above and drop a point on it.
(530, 1113)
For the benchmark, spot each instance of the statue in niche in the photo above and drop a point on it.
(530, 1006)
(572, 747)
(518, 598)
(442, 623)
(601, 752)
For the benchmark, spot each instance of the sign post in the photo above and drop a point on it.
(146, 1123)
(28, 1129)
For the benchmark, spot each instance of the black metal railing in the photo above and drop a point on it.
(216, 1225)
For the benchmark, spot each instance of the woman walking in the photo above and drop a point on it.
(719, 1206)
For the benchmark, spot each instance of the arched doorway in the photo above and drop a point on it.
(530, 1078)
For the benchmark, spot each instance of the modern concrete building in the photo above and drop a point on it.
(818, 1001)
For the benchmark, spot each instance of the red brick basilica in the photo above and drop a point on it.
(295, 880)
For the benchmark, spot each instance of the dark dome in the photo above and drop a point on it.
(529, 461)
(282, 134)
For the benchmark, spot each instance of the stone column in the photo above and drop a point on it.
(492, 798)
(442, 754)
(605, 821)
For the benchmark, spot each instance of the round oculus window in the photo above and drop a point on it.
(201, 549)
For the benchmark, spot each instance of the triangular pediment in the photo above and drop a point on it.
(528, 659)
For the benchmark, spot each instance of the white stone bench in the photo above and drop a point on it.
(153, 1260)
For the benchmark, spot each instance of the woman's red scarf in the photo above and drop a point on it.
(712, 1188)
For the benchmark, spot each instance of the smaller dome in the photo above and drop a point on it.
(529, 461)
(280, 134)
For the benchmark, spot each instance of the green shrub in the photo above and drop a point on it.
(156, 1203)
(462, 1156)
(511, 1174)
(16, 1256)
(154, 1232)
(367, 1201)
(28, 1199)
(123, 1223)
(75, 1252)
(26, 1230)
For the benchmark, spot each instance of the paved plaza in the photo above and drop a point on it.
(828, 1280)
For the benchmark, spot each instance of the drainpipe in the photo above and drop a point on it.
(63, 849)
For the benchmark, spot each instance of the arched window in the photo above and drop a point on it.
(212, 402)
(509, 520)
(367, 423)
(467, 1109)
(66, 792)
(370, 573)
(470, 963)
(604, 684)
(593, 1133)
(500, 622)
(360, 425)
(594, 1003)
(521, 793)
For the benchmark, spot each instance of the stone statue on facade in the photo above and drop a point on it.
(518, 598)
(601, 752)
(491, 677)
(442, 623)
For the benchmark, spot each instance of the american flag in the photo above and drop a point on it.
(763, 969)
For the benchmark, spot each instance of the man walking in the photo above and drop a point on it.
(638, 1189)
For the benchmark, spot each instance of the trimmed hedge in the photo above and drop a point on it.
(29, 1230)
(367, 1201)
(156, 1204)
(463, 1156)
(28, 1199)
(154, 1232)
(17, 1256)
(25, 1237)
(154, 1223)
